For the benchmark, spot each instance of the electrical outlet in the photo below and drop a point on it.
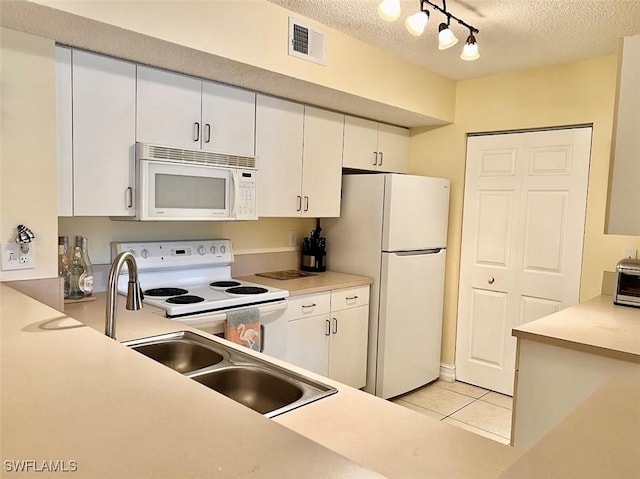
(293, 238)
(630, 253)
(13, 258)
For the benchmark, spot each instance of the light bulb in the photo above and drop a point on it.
(446, 38)
(415, 23)
(389, 10)
(470, 50)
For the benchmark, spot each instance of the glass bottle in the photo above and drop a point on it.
(76, 274)
(87, 284)
(63, 262)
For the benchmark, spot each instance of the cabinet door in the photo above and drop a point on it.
(64, 129)
(348, 346)
(360, 144)
(393, 145)
(279, 127)
(169, 108)
(308, 343)
(322, 163)
(228, 119)
(104, 103)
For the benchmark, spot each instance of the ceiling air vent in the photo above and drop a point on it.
(306, 42)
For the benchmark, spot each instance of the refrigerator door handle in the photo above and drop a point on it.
(419, 251)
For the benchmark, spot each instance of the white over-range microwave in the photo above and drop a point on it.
(180, 184)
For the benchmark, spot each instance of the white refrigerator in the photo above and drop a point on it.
(393, 228)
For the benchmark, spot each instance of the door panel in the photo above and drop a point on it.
(488, 318)
(522, 236)
(410, 197)
(410, 321)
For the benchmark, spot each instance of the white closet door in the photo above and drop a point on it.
(522, 238)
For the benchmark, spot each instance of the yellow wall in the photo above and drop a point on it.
(263, 236)
(569, 94)
(28, 147)
(255, 32)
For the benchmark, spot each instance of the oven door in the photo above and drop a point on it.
(170, 191)
(273, 326)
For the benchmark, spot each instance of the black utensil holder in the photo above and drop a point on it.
(314, 262)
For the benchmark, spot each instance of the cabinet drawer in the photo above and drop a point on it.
(349, 298)
(309, 305)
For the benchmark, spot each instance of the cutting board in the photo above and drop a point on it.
(286, 274)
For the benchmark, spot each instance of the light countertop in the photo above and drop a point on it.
(596, 326)
(325, 281)
(71, 393)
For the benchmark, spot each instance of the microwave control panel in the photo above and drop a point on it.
(247, 195)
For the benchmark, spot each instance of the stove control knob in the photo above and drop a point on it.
(213, 249)
(223, 249)
(144, 253)
(202, 250)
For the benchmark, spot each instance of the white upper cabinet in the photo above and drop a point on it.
(64, 130)
(322, 163)
(228, 119)
(299, 152)
(103, 125)
(624, 195)
(373, 146)
(178, 110)
(279, 133)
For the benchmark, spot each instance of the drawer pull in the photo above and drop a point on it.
(312, 305)
(351, 298)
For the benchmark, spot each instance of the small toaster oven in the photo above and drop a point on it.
(627, 290)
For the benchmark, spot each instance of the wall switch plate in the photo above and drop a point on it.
(631, 253)
(293, 238)
(14, 258)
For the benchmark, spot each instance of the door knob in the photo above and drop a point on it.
(491, 280)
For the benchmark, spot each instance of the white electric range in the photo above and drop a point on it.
(190, 280)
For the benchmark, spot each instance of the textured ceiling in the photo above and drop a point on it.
(514, 34)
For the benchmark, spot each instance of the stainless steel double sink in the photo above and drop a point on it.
(260, 385)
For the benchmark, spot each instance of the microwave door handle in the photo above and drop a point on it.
(236, 193)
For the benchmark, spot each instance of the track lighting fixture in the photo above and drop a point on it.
(390, 10)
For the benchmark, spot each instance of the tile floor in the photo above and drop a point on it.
(475, 409)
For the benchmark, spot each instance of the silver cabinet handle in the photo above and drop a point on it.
(299, 207)
(335, 326)
(381, 158)
(491, 280)
(261, 349)
(375, 160)
(351, 298)
(196, 131)
(312, 305)
(207, 133)
(306, 203)
(328, 330)
(129, 197)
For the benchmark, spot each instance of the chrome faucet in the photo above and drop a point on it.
(134, 294)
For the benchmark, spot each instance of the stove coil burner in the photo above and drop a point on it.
(165, 292)
(246, 290)
(224, 284)
(185, 299)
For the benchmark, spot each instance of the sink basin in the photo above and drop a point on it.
(181, 355)
(258, 384)
(256, 388)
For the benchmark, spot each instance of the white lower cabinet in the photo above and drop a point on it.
(327, 334)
